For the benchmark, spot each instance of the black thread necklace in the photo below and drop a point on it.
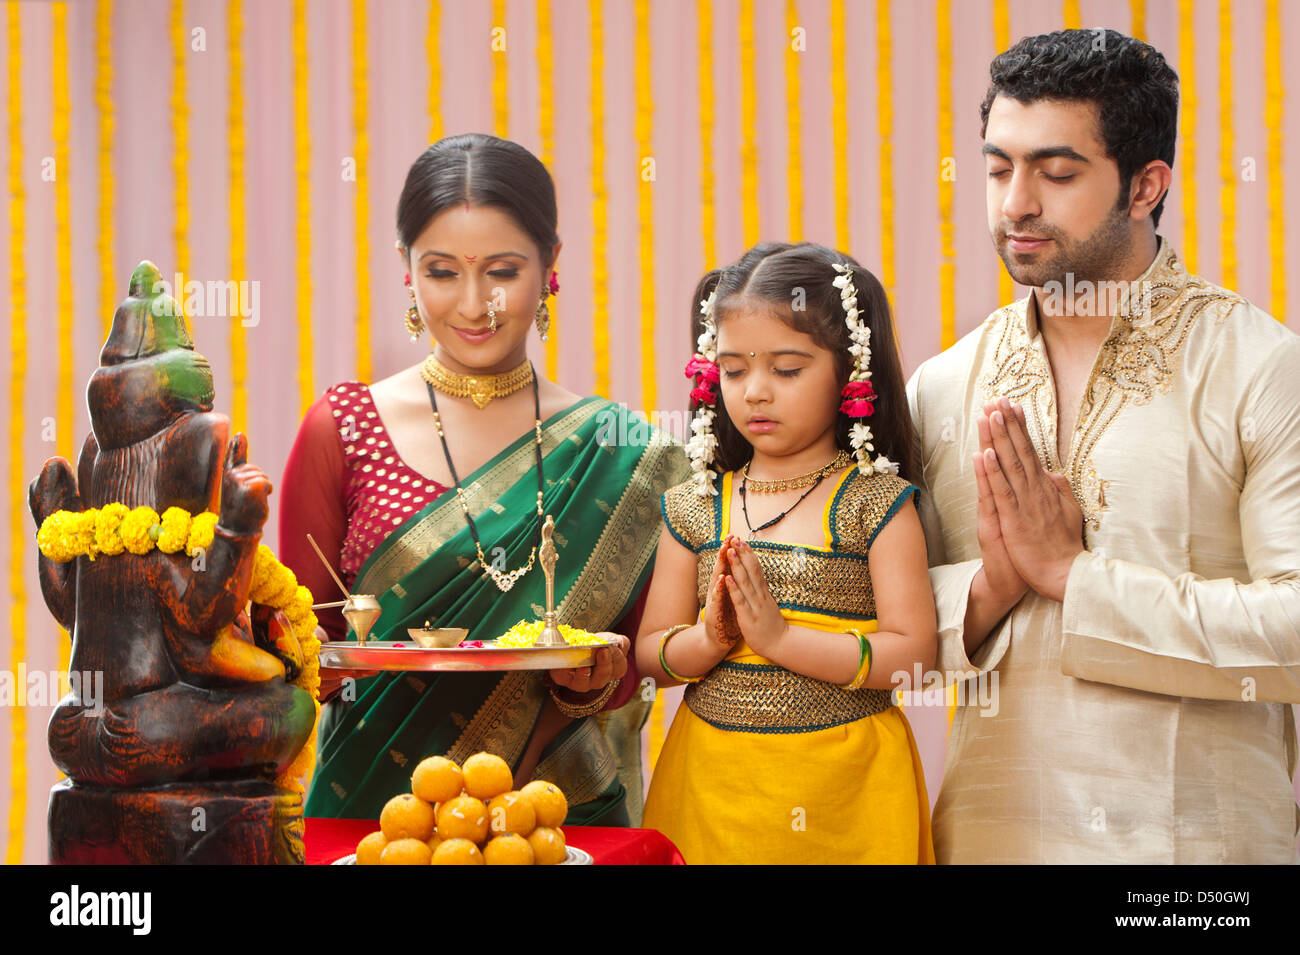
(503, 580)
(745, 510)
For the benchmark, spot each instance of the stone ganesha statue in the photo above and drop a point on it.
(197, 715)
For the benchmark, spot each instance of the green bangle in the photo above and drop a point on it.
(663, 663)
(864, 661)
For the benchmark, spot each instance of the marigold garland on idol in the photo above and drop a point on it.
(858, 394)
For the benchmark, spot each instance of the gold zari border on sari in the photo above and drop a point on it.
(583, 766)
(504, 723)
(607, 578)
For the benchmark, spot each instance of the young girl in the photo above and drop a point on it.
(810, 569)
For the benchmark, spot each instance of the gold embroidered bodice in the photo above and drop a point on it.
(833, 579)
(828, 587)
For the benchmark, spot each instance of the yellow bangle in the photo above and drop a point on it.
(663, 663)
(864, 662)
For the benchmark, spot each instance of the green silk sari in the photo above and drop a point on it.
(604, 473)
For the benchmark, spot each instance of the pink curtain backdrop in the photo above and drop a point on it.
(397, 125)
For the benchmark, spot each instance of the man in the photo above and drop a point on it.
(1112, 501)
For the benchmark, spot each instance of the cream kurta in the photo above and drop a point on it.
(1146, 718)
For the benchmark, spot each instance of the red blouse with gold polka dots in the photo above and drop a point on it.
(345, 484)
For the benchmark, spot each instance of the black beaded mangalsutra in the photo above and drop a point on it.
(504, 581)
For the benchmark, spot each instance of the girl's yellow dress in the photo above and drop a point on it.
(763, 765)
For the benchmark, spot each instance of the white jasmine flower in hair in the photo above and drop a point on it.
(704, 483)
(859, 435)
(884, 465)
(704, 444)
(702, 421)
(706, 343)
(700, 449)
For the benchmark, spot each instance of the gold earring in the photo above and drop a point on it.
(413, 323)
(543, 317)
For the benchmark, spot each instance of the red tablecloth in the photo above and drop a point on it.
(330, 839)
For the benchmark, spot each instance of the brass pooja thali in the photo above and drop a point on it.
(399, 655)
(538, 646)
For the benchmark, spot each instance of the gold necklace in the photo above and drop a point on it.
(478, 388)
(789, 484)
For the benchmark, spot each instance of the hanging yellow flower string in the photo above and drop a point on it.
(105, 241)
(115, 528)
(61, 132)
(17, 377)
(1001, 40)
(546, 132)
(1273, 97)
(1187, 128)
(599, 191)
(749, 210)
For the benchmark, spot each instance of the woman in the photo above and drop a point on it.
(429, 488)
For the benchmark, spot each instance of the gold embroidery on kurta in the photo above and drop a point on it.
(1136, 363)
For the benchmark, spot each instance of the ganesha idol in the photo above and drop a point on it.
(179, 759)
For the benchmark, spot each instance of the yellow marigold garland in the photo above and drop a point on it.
(202, 528)
(135, 530)
(175, 530)
(115, 528)
(107, 526)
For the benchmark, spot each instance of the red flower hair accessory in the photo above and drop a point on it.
(859, 396)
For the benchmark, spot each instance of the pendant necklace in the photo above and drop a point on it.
(502, 579)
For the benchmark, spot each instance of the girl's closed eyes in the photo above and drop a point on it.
(784, 372)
